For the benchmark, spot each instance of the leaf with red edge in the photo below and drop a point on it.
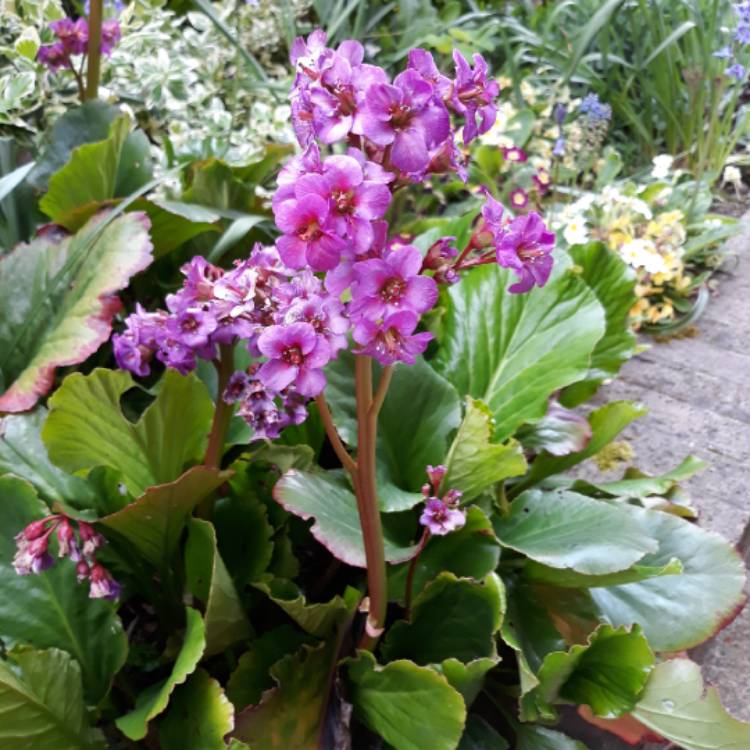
(57, 300)
(627, 727)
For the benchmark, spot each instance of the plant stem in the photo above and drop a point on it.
(94, 49)
(333, 436)
(502, 500)
(412, 569)
(383, 383)
(223, 412)
(367, 501)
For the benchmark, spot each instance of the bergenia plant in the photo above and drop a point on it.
(341, 275)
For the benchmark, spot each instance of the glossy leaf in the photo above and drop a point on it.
(42, 707)
(319, 618)
(678, 706)
(479, 735)
(410, 707)
(326, 498)
(613, 282)
(472, 551)
(565, 530)
(154, 700)
(97, 172)
(451, 618)
(678, 612)
(154, 523)
(57, 300)
(207, 577)
(567, 578)
(607, 422)
(199, 715)
(608, 673)
(474, 462)
(23, 454)
(513, 351)
(52, 610)
(467, 678)
(291, 714)
(251, 677)
(86, 427)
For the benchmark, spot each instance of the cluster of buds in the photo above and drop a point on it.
(72, 39)
(441, 514)
(76, 540)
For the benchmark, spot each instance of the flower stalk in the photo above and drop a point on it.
(93, 68)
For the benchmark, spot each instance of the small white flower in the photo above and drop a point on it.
(576, 231)
(641, 253)
(732, 175)
(662, 165)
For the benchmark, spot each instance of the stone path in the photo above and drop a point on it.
(698, 394)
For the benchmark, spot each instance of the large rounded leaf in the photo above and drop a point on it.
(57, 300)
(679, 611)
(52, 609)
(513, 351)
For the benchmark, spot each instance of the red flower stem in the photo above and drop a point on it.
(94, 49)
(333, 436)
(223, 412)
(367, 500)
(410, 574)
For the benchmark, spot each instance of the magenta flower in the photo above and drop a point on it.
(393, 340)
(101, 583)
(53, 56)
(526, 247)
(308, 236)
(440, 519)
(514, 154)
(74, 35)
(296, 355)
(110, 35)
(393, 283)
(422, 61)
(542, 180)
(406, 117)
(518, 198)
(474, 95)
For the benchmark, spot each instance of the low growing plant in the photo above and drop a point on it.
(339, 516)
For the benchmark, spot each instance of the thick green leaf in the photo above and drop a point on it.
(208, 579)
(97, 172)
(86, 427)
(608, 673)
(471, 551)
(479, 735)
(199, 715)
(678, 612)
(565, 530)
(678, 706)
(607, 422)
(57, 300)
(78, 125)
(242, 528)
(513, 351)
(42, 707)
(52, 610)
(424, 406)
(154, 523)
(474, 462)
(533, 737)
(410, 707)
(22, 453)
(451, 618)
(566, 578)
(326, 498)
(154, 700)
(613, 282)
(173, 223)
(318, 619)
(638, 484)
(291, 715)
(467, 678)
(251, 677)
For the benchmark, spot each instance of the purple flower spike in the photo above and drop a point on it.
(407, 117)
(296, 355)
(440, 519)
(526, 247)
(474, 95)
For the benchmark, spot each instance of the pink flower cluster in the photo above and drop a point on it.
(72, 39)
(33, 556)
(335, 270)
(441, 515)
